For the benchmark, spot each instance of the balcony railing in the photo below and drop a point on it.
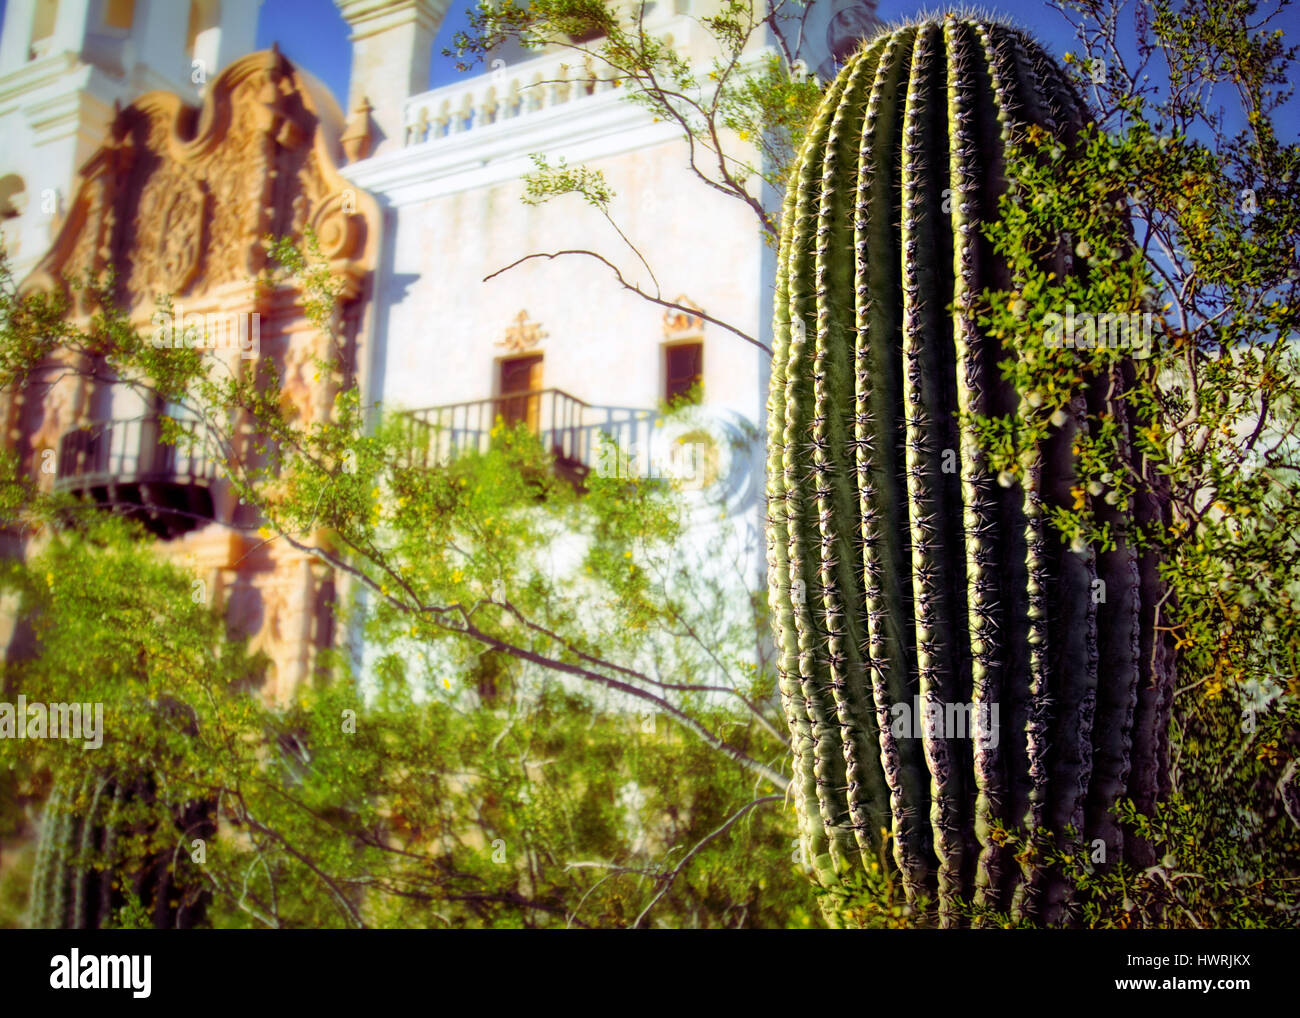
(124, 464)
(567, 427)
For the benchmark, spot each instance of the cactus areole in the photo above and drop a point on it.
(905, 578)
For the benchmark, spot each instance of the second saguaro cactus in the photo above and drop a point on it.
(81, 878)
(904, 576)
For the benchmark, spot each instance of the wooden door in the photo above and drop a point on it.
(521, 381)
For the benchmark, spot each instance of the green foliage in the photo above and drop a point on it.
(512, 802)
(772, 108)
(1185, 155)
(743, 119)
(551, 181)
(560, 720)
(594, 743)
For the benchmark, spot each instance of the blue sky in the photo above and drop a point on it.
(313, 34)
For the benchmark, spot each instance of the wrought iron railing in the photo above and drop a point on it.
(567, 427)
(130, 451)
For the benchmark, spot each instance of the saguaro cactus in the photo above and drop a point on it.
(78, 881)
(900, 568)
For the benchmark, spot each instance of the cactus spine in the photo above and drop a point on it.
(898, 566)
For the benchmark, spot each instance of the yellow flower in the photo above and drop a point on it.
(456, 576)
(446, 683)
(49, 579)
(627, 554)
(263, 532)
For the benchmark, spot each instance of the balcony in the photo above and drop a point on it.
(123, 465)
(568, 428)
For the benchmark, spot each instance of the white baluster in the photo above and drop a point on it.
(561, 87)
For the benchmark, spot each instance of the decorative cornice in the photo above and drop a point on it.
(54, 69)
(682, 324)
(522, 334)
(67, 112)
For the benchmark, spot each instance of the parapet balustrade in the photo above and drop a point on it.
(505, 94)
(513, 91)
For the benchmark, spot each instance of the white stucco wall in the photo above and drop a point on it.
(454, 217)
(603, 344)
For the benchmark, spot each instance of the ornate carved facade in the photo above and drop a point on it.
(178, 202)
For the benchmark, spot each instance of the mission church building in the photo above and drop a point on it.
(150, 136)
